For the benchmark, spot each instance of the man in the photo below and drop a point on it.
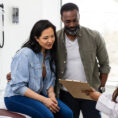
(82, 56)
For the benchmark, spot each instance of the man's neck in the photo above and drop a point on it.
(71, 37)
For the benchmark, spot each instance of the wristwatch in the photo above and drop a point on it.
(102, 89)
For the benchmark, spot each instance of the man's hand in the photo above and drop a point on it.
(103, 78)
(8, 76)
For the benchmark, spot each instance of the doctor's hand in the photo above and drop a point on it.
(92, 93)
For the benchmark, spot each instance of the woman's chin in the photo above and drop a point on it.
(48, 48)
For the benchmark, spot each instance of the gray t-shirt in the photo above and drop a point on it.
(74, 67)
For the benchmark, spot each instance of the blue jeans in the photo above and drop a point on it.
(35, 108)
(86, 106)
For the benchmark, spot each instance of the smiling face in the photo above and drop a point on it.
(47, 38)
(71, 21)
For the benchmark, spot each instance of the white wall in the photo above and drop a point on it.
(30, 11)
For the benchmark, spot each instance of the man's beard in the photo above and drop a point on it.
(71, 30)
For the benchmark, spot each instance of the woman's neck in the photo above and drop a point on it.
(43, 51)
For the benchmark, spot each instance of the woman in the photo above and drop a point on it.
(106, 103)
(31, 89)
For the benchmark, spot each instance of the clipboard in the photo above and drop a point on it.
(75, 88)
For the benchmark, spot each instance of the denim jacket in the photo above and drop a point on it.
(26, 72)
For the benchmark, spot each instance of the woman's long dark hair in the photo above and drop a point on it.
(115, 94)
(36, 31)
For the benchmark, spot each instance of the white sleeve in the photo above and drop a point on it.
(107, 106)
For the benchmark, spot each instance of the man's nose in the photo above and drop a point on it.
(72, 24)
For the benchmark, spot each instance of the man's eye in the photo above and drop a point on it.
(67, 21)
(75, 20)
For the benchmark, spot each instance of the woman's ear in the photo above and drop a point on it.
(36, 38)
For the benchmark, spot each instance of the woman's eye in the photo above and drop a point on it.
(52, 36)
(45, 38)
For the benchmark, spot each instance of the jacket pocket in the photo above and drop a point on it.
(35, 76)
(36, 70)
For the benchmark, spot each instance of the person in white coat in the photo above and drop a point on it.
(106, 103)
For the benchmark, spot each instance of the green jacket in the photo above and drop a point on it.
(93, 53)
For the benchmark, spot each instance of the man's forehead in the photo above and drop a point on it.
(70, 13)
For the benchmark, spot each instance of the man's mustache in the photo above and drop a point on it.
(72, 28)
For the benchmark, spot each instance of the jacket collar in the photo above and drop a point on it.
(47, 54)
(79, 32)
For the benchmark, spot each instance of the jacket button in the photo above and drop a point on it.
(64, 62)
(62, 72)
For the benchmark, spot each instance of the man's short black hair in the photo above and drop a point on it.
(68, 7)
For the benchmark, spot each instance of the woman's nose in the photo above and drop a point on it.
(50, 40)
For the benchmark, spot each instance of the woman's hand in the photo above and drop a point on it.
(48, 102)
(92, 93)
(51, 95)
(54, 100)
(51, 103)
